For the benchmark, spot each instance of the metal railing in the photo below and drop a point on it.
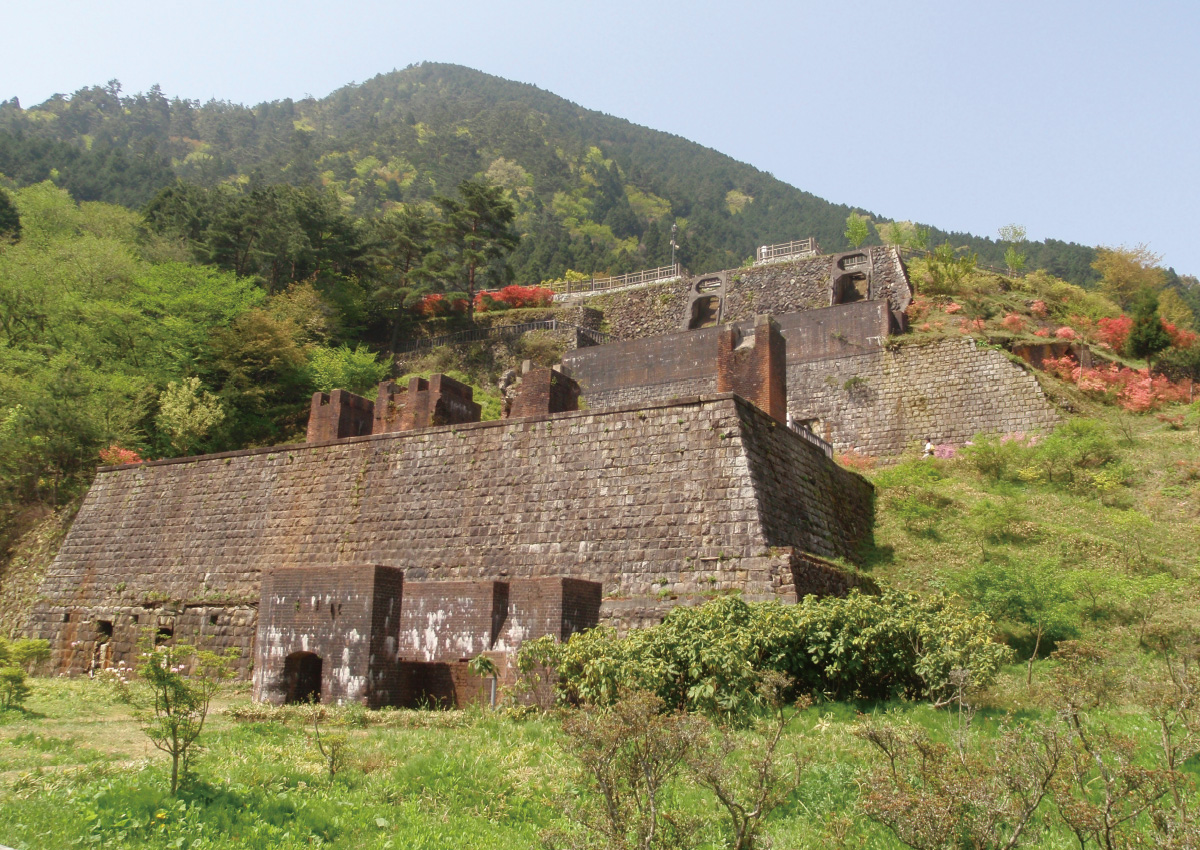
(602, 284)
(477, 334)
(787, 250)
(808, 435)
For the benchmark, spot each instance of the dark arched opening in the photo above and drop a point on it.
(302, 677)
(704, 312)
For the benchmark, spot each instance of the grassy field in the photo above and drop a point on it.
(75, 769)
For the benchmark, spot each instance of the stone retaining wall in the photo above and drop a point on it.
(881, 403)
(690, 498)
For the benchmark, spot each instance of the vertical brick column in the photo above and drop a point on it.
(755, 369)
(337, 415)
(544, 391)
(390, 400)
(438, 401)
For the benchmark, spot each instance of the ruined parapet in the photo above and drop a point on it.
(438, 401)
(325, 634)
(755, 368)
(337, 415)
(543, 392)
(389, 404)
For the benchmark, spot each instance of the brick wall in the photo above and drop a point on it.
(105, 635)
(347, 616)
(644, 500)
(777, 288)
(451, 620)
(337, 415)
(755, 369)
(685, 364)
(544, 391)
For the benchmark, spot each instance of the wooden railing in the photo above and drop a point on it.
(602, 284)
(477, 334)
(787, 250)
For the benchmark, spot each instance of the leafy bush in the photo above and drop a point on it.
(1074, 455)
(14, 656)
(356, 370)
(710, 658)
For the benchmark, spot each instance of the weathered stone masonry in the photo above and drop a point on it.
(662, 504)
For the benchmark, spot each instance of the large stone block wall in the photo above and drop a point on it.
(114, 631)
(883, 402)
(775, 288)
(641, 499)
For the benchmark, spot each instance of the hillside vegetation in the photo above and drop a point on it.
(593, 192)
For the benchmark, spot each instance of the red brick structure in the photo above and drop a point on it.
(360, 633)
(327, 634)
(438, 401)
(422, 404)
(544, 391)
(338, 415)
(663, 504)
(755, 368)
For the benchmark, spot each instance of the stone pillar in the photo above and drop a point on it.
(754, 368)
(337, 415)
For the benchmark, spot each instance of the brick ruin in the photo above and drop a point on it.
(852, 378)
(405, 537)
(360, 633)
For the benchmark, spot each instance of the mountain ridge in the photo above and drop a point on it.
(595, 192)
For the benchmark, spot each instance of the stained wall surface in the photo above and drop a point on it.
(883, 402)
(662, 505)
(776, 288)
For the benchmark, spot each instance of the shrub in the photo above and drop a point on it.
(14, 657)
(357, 370)
(1066, 333)
(855, 461)
(1013, 322)
(114, 455)
(710, 658)
(1114, 332)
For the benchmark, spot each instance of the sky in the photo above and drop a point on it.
(1077, 120)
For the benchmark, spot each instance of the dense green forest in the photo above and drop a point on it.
(593, 193)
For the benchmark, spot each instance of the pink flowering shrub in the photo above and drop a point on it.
(1062, 368)
(918, 308)
(1066, 333)
(945, 451)
(114, 455)
(953, 307)
(1013, 322)
(855, 461)
(1038, 308)
(1114, 332)
(1041, 332)
(1135, 390)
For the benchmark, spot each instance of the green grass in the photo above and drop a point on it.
(76, 770)
(1128, 546)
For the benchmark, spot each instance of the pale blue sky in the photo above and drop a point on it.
(1076, 119)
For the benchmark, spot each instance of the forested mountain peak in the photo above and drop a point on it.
(594, 193)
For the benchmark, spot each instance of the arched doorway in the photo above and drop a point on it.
(302, 677)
